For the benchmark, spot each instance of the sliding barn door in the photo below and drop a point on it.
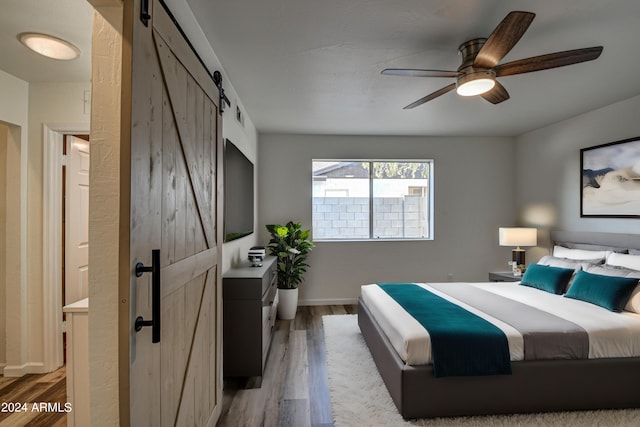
(175, 149)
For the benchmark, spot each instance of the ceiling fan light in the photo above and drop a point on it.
(475, 83)
(49, 46)
(476, 87)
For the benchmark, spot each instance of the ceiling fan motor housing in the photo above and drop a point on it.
(469, 50)
(483, 78)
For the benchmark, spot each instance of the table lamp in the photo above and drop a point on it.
(518, 236)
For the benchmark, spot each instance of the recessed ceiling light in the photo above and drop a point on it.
(49, 46)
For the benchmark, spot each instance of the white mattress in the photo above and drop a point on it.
(610, 334)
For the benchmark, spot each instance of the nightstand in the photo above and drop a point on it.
(503, 276)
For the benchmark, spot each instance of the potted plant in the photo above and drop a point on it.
(291, 244)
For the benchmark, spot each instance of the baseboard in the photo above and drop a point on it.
(21, 370)
(338, 301)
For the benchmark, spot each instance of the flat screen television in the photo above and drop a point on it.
(238, 193)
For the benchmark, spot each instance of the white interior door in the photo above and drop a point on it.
(77, 220)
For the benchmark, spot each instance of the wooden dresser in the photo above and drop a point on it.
(250, 302)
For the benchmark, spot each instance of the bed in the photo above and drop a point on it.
(603, 380)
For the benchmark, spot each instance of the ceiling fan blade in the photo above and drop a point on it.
(503, 38)
(418, 73)
(431, 96)
(551, 60)
(496, 95)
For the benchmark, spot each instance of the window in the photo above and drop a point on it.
(372, 199)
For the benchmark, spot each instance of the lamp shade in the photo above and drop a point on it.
(518, 236)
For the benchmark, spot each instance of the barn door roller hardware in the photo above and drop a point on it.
(144, 12)
(217, 79)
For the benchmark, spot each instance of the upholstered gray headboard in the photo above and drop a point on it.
(595, 240)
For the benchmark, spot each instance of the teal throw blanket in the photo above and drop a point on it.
(462, 343)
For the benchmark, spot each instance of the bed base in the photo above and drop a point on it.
(534, 386)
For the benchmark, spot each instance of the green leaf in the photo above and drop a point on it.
(291, 265)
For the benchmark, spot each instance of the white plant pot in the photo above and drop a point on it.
(287, 303)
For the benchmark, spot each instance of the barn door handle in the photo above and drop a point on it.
(155, 296)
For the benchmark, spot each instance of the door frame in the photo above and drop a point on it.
(52, 239)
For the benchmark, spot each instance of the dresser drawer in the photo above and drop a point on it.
(247, 282)
(250, 300)
(270, 278)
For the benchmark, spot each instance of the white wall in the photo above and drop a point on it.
(474, 195)
(14, 100)
(14, 113)
(548, 168)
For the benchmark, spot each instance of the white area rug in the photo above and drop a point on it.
(360, 398)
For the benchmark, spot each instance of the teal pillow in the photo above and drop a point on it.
(609, 292)
(546, 278)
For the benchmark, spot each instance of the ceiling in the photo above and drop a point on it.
(70, 20)
(314, 66)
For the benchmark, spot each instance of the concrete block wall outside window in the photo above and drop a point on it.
(348, 217)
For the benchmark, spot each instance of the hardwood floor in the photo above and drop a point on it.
(295, 390)
(48, 390)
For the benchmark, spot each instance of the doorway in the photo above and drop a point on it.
(55, 143)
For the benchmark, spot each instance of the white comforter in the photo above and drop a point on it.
(610, 334)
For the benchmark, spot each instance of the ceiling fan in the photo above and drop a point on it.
(480, 57)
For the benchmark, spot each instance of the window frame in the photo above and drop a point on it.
(430, 201)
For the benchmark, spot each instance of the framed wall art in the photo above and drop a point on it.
(610, 184)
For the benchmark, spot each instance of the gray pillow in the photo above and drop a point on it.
(553, 261)
(633, 305)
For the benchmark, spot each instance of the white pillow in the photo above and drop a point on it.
(579, 254)
(624, 260)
